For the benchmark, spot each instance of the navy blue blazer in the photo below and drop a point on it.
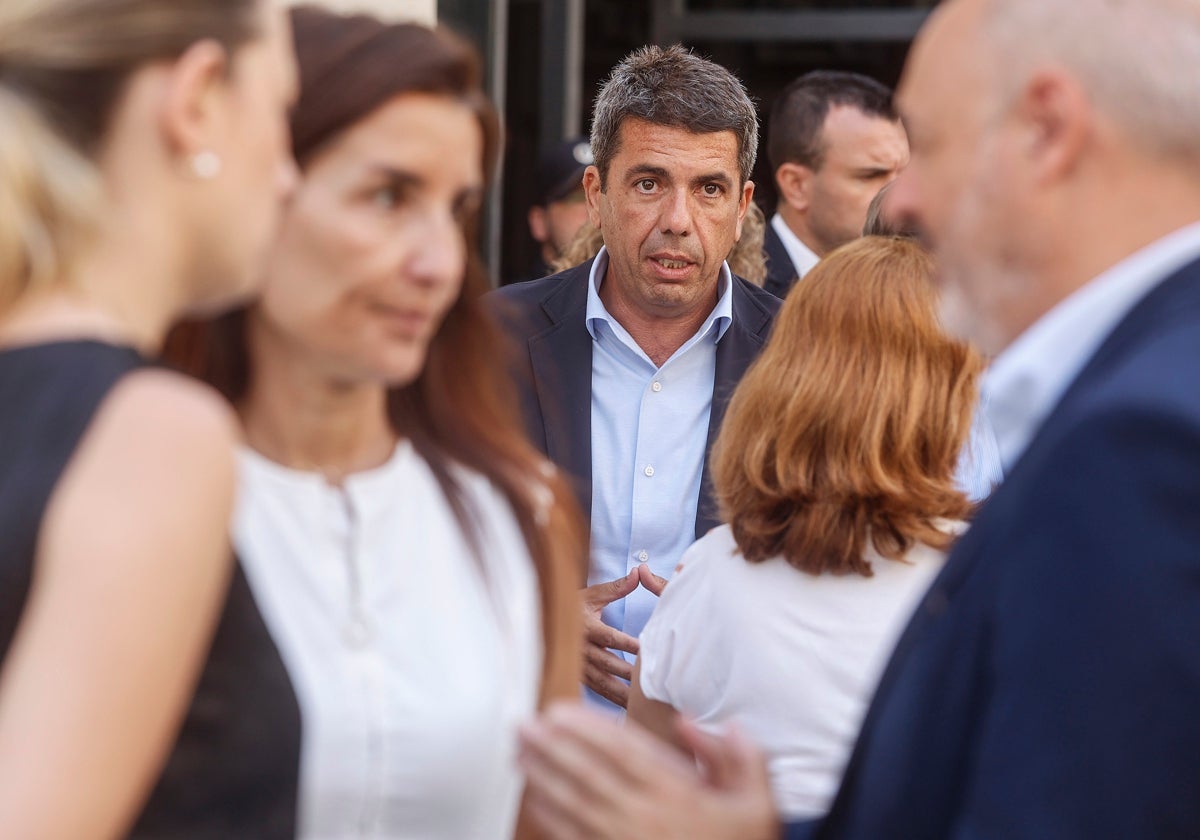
(553, 371)
(781, 271)
(1049, 683)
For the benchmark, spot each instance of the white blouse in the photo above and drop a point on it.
(412, 672)
(792, 658)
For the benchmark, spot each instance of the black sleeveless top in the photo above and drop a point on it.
(233, 772)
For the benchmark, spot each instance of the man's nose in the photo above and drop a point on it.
(901, 204)
(676, 215)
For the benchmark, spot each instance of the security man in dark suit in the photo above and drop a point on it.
(561, 207)
(833, 140)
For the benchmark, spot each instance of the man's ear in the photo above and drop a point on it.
(794, 181)
(192, 115)
(1058, 119)
(591, 190)
(537, 223)
(743, 206)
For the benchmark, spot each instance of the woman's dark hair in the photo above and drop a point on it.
(461, 408)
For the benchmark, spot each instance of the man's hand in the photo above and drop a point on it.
(604, 671)
(651, 581)
(592, 777)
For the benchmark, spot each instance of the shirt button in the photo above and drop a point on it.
(656, 387)
(649, 470)
(643, 556)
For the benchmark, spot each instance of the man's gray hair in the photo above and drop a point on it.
(670, 86)
(1137, 59)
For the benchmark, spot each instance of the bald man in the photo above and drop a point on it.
(1047, 685)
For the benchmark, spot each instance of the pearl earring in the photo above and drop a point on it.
(206, 165)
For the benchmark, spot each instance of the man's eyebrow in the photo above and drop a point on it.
(394, 175)
(873, 171)
(713, 178)
(650, 170)
(643, 169)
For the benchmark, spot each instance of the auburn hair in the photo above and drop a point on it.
(461, 408)
(849, 425)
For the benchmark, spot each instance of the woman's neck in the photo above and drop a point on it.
(125, 286)
(298, 417)
(108, 296)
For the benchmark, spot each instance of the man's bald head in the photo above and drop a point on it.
(1050, 139)
(1137, 60)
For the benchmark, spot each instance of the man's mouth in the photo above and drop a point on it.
(665, 263)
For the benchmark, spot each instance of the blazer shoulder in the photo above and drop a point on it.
(1148, 361)
(541, 288)
(760, 295)
(533, 303)
(1153, 375)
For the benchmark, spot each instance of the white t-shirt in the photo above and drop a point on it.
(411, 672)
(790, 657)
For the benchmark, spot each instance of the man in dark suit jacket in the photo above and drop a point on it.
(834, 140)
(1048, 683)
(628, 360)
(556, 369)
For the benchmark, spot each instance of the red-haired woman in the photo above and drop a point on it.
(835, 473)
(408, 548)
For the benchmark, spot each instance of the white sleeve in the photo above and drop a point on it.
(674, 638)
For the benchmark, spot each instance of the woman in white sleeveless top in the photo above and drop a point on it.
(411, 553)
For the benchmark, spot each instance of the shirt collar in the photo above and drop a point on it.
(802, 257)
(721, 315)
(1028, 379)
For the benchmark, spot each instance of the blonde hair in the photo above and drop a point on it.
(849, 425)
(48, 193)
(745, 260)
(63, 67)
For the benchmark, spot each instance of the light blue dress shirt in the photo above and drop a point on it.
(980, 469)
(649, 433)
(1027, 380)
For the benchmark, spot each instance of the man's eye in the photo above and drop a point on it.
(466, 208)
(386, 197)
(712, 189)
(646, 185)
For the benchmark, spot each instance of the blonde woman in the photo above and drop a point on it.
(142, 165)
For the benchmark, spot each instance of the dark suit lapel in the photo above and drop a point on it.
(781, 273)
(1177, 297)
(737, 349)
(561, 358)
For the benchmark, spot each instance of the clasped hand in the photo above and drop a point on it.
(604, 672)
